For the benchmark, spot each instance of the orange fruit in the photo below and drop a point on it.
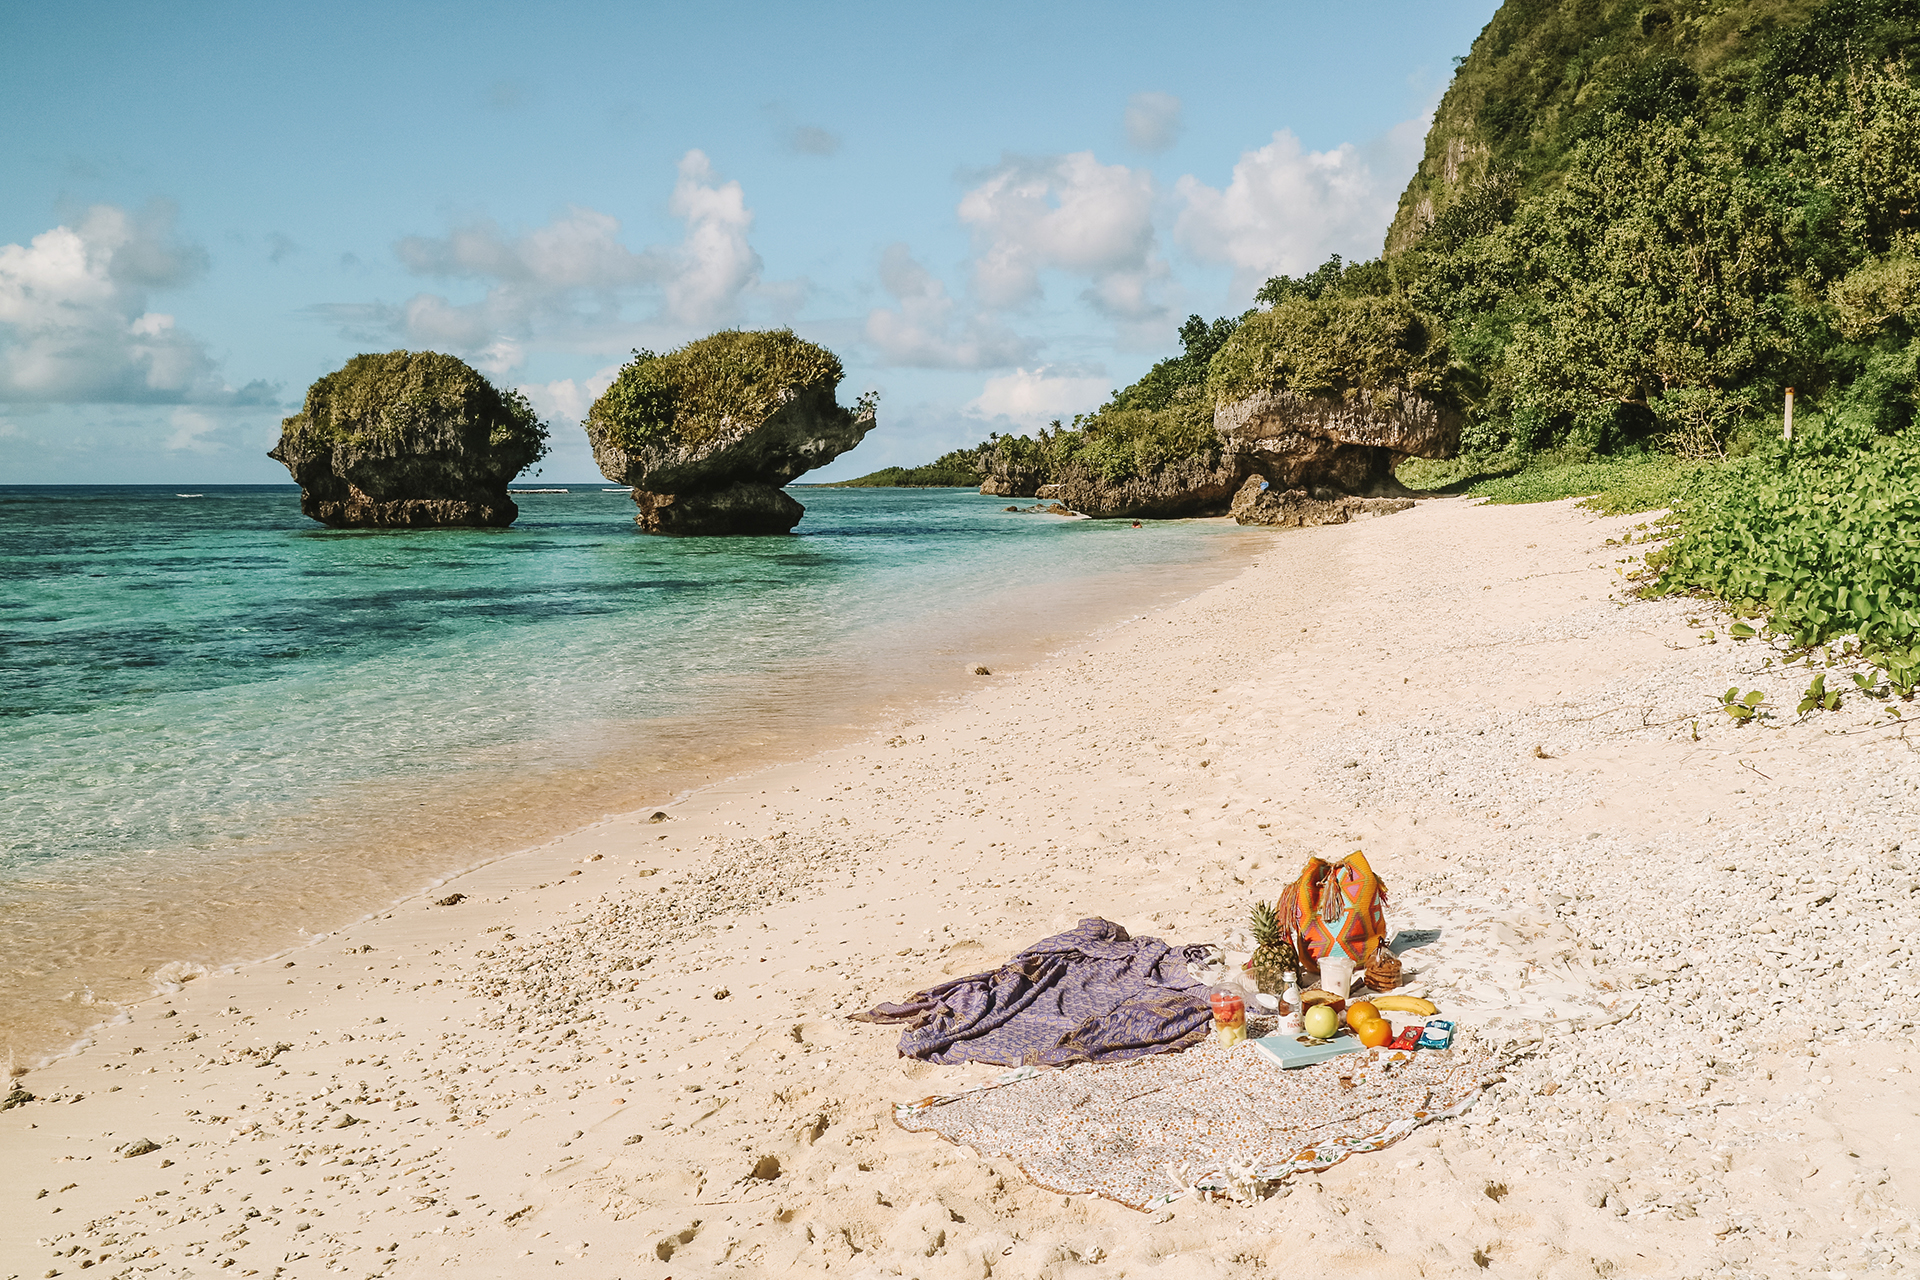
(1374, 1034)
(1361, 1011)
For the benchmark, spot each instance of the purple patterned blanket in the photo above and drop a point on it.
(1092, 994)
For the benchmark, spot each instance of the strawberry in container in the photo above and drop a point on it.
(1229, 1005)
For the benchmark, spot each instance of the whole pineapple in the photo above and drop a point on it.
(1274, 961)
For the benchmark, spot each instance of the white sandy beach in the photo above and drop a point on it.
(625, 1053)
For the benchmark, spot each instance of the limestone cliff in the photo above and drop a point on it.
(1193, 486)
(409, 439)
(1331, 444)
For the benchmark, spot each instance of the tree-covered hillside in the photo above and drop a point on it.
(1642, 222)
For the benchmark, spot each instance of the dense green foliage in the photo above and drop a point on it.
(1822, 532)
(693, 394)
(1331, 278)
(1116, 445)
(399, 397)
(1634, 227)
(1164, 419)
(959, 469)
(1333, 344)
(1199, 342)
(1639, 223)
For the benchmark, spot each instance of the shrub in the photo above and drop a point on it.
(396, 397)
(1119, 444)
(694, 394)
(1332, 345)
(959, 469)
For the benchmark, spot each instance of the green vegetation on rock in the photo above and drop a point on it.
(1156, 389)
(696, 393)
(1164, 419)
(1332, 345)
(1634, 227)
(397, 399)
(1640, 224)
(1118, 444)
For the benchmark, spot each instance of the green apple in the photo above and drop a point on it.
(1321, 1021)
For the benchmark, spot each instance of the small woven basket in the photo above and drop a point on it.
(1383, 970)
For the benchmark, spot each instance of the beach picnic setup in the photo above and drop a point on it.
(1144, 1072)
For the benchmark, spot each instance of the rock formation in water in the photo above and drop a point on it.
(1010, 486)
(707, 435)
(409, 439)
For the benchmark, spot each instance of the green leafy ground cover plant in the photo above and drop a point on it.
(1610, 485)
(694, 393)
(1822, 533)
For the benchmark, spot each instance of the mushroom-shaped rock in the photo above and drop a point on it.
(1326, 397)
(708, 434)
(409, 439)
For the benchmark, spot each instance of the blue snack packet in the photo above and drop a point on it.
(1438, 1035)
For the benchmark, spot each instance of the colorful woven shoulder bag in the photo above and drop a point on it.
(1339, 906)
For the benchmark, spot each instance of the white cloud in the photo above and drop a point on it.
(1035, 397)
(1153, 120)
(75, 327)
(569, 280)
(715, 264)
(580, 249)
(1287, 208)
(568, 398)
(191, 427)
(1067, 213)
(926, 328)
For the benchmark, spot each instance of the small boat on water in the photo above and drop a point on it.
(189, 495)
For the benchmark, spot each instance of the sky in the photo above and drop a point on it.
(993, 213)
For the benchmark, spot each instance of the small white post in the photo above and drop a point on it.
(1787, 432)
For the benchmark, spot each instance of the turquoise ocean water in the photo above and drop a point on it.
(221, 724)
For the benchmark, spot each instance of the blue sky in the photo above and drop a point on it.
(993, 212)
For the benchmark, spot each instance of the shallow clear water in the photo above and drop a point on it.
(221, 723)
